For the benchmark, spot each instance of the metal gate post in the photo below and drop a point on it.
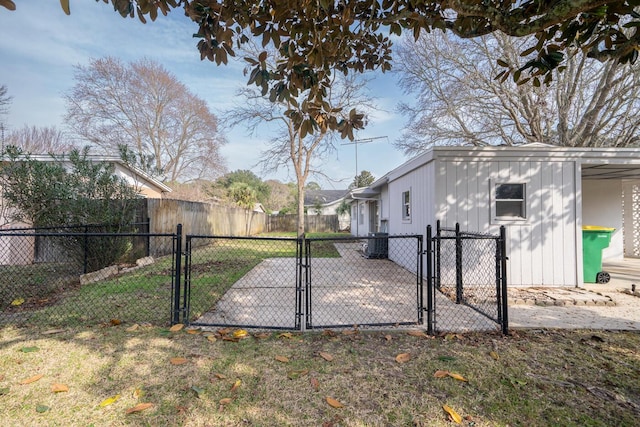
(177, 253)
(459, 295)
(420, 280)
(308, 323)
(430, 280)
(301, 311)
(503, 268)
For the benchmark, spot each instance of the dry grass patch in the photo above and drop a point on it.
(318, 379)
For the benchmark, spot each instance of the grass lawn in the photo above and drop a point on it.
(50, 295)
(196, 378)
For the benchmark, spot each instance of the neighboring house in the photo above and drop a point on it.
(542, 194)
(326, 202)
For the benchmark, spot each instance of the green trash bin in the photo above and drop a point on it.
(594, 240)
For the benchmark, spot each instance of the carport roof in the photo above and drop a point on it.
(611, 171)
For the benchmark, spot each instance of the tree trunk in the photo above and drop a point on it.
(300, 207)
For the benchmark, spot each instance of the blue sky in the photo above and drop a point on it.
(40, 46)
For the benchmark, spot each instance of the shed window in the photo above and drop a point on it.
(406, 205)
(510, 200)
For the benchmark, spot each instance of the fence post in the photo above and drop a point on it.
(503, 264)
(430, 278)
(177, 250)
(85, 264)
(458, 265)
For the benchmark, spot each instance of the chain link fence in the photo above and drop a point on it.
(467, 280)
(85, 275)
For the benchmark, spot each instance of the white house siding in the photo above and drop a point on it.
(421, 182)
(602, 205)
(541, 249)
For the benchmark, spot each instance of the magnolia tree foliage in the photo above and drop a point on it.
(318, 38)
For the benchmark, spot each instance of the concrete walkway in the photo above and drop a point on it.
(609, 306)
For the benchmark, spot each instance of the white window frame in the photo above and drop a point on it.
(406, 205)
(509, 219)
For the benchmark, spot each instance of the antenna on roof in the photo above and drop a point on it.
(363, 141)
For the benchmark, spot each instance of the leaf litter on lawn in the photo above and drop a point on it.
(582, 381)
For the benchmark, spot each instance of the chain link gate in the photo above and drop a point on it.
(467, 283)
(298, 284)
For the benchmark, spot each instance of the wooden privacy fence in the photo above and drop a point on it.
(312, 223)
(203, 218)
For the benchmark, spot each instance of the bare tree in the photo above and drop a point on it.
(5, 100)
(40, 140)
(294, 144)
(459, 100)
(145, 107)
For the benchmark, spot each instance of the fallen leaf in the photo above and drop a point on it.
(181, 409)
(329, 333)
(108, 401)
(132, 328)
(220, 376)
(193, 331)
(350, 332)
(315, 383)
(420, 334)
(293, 375)
(235, 385)
(178, 360)
(441, 374)
(334, 403)
(287, 335)
(59, 388)
(226, 401)
(403, 357)
(282, 359)
(212, 338)
(240, 333)
(262, 336)
(115, 322)
(42, 409)
(224, 331)
(494, 355)
(139, 407)
(453, 414)
(388, 337)
(326, 356)
(177, 327)
(457, 377)
(29, 349)
(32, 379)
(18, 301)
(52, 331)
(138, 393)
(197, 390)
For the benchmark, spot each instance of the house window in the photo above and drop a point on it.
(361, 213)
(406, 205)
(510, 201)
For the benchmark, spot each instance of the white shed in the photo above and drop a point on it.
(542, 194)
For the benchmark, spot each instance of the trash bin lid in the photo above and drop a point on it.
(597, 228)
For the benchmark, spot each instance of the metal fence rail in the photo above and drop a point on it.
(65, 278)
(466, 270)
